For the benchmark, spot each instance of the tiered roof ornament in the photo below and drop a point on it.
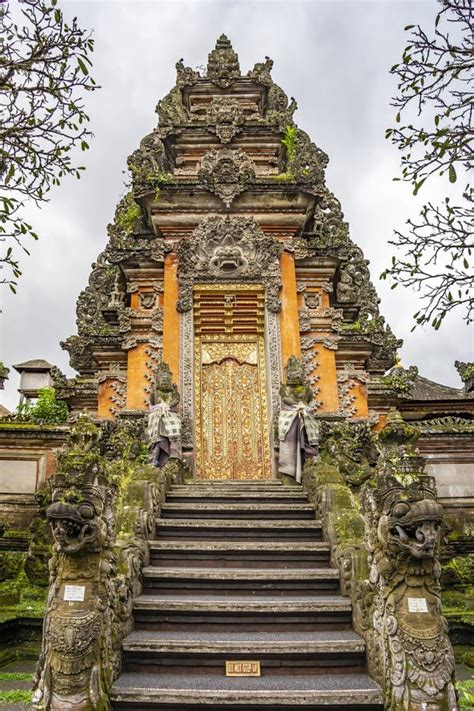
(223, 64)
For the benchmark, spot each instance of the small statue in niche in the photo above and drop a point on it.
(164, 424)
(297, 427)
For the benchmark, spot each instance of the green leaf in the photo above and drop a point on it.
(397, 117)
(418, 186)
(82, 66)
(452, 174)
(408, 27)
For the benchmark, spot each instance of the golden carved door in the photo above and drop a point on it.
(232, 440)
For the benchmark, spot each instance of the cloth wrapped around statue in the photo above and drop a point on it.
(298, 432)
(164, 434)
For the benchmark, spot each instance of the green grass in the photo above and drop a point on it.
(15, 676)
(15, 696)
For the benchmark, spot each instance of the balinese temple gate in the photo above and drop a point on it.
(228, 256)
(230, 319)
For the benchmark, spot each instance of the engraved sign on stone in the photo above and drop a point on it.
(242, 668)
(74, 593)
(417, 604)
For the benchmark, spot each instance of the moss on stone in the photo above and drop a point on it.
(325, 473)
(464, 655)
(349, 526)
(458, 572)
(11, 564)
(19, 598)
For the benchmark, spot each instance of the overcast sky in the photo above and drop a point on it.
(333, 57)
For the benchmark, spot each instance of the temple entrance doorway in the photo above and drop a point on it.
(231, 410)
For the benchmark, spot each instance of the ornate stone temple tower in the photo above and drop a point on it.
(228, 256)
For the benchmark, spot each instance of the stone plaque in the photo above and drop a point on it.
(18, 476)
(74, 593)
(242, 668)
(417, 604)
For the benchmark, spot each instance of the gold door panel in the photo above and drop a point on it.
(231, 438)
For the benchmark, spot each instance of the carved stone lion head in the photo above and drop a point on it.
(410, 518)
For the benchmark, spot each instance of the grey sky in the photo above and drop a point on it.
(333, 57)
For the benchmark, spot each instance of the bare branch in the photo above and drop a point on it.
(435, 81)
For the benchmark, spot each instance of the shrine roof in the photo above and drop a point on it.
(424, 389)
(35, 364)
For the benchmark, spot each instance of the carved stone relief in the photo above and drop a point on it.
(228, 249)
(152, 363)
(311, 364)
(187, 377)
(223, 64)
(225, 118)
(304, 317)
(226, 173)
(273, 345)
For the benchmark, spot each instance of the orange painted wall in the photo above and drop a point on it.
(380, 424)
(136, 377)
(359, 390)
(327, 383)
(171, 316)
(289, 324)
(106, 393)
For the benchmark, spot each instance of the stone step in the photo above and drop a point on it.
(241, 613)
(286, 652)
(234, 495)
(240, 554)
(244, 509)
(251, 581)
(238, 483)
(347, 692)
(221, 529)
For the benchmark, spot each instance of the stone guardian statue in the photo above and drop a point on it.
(297, 427)
(164, 424)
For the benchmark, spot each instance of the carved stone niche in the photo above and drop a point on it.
(228, 249)
(225, 117)
(226, 173)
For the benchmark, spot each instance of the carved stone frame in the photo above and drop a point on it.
(272, 345)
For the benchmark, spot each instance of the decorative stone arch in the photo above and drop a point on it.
(221, 250)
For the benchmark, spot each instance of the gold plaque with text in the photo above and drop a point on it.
(244, 668)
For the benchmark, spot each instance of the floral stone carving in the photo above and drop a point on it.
(231, 249)
(226, 173)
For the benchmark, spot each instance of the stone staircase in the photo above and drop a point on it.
(239, 572)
